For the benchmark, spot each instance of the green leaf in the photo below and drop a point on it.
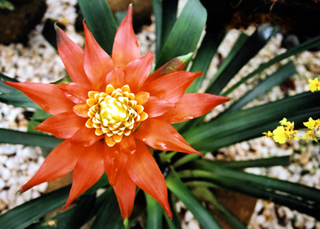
(173, 222)
(73, 218)
(169, 18)
(100, 22)
(296, 196)
(203, 216)
(186, 32)
(275, 79)
(263, 182)
(314, 42)
(17, 98)
(62, 80)
(32, 139)
(157, 12)
(5, 88)
(154, 211)
(202, 61)
(4, 4)
(250, 123)
(40, 115)
(119, 16)
(25, 214)
(244, 49)
(261, 162)
(207, 196)
(109, 213)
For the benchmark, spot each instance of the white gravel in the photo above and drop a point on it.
(39, 62)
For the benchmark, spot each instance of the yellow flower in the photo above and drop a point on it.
(279, 134)
(310, 124)
(314, 85)
(310, 135)
(268, 134)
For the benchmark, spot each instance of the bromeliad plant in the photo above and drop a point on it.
(114, 115)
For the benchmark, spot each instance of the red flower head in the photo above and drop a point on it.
(111, 113)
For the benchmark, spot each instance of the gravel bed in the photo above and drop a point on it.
(39, 62)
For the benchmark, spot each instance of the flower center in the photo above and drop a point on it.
(114, 113)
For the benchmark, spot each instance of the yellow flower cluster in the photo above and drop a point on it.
(312, 125)
(286, 130)
(281, 133)
(314, 85)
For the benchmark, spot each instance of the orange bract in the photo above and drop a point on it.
(111, 112)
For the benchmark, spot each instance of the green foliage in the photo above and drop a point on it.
(189, 179)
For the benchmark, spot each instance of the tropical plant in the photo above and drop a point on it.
(189, 178)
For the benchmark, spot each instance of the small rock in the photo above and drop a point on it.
(188, 216)
(2, 184)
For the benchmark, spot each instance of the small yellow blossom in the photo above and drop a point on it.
(314, 85)
(268, 134)
(310, 124)
(310, 135)
(279, 135)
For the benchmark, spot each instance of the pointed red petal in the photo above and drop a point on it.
(156, 107)
(63, 125)
(97, 63)
(137, 71)
(171, 87)
(87, 171)
(81, 110)
(193, 105)
(125, 190)
(162, 136)
(128, 144)
(115, 78)
(85, 136)
(58, 163)
(76, 92)
(72, 57)
(142, 97)
(114, 161)
(48, 96)
(173, 65)
(125, 46)
(145, 173)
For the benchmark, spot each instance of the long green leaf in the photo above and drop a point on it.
(206, 52)
(154, 211)
(205, 195)
(17, 98)
(157, 12)
(314, 42)
(25, 214)
(169, 18)
(221, 173)
(276, 78)
(73, 218)
(5, 88)
(250, 187)
(203, 216)
(261, 162)
(241, 53)
(173, 222)
(18, 137)
(186, 32)
(109, 214)
(100, 21)
(246, 124)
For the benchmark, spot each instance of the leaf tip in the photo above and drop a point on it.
(126, 221)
